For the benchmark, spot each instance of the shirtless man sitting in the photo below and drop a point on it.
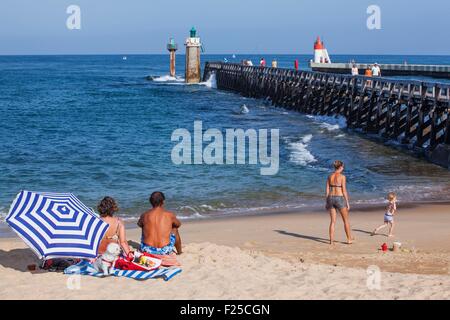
(159, 228)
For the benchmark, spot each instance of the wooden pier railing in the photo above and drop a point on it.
(415, 114)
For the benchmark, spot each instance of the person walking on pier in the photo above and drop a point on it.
(262, 62)
(355, 70)
(368, 73)
(376, 71)
(337, 200)
(296, 64)
(274, 63)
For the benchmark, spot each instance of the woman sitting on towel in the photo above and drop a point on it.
(116, 231)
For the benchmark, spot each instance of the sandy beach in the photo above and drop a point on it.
(278, 256)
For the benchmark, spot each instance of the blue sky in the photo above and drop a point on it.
(228, 26)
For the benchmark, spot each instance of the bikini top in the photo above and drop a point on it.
(335, 185)
(115, 236)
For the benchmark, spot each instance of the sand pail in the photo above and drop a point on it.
(396, 246)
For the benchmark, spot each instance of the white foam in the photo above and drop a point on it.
(244, 109)
(378, 200)
(265, 208)
(129, 218)
(168, 78)
(3, 215)
(189, 212)
(419, 192)
(211, 82)
(329, 123)
(183, 213)
(207, 207)
(307, 139)
(192, 216)
(299, 151)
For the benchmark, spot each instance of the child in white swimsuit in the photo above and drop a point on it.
(391, 209)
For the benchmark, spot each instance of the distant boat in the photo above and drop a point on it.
(234, 56)
(124, 58)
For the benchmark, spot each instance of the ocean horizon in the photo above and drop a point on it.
(94, 125)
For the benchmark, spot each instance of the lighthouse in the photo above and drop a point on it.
(193, 47)
(320, 53)
(172, 47)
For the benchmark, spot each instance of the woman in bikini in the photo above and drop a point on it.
(116, 230)
(337, 200)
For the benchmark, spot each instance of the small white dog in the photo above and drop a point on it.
(106, 261)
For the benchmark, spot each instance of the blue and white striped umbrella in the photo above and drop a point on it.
(56, 225)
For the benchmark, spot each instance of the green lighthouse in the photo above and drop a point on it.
(193, 47)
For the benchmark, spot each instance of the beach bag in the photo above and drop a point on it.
(58, 264)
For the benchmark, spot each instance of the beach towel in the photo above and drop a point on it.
(86, 268)
(168, 260)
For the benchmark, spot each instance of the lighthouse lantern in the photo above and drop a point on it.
(193, 33)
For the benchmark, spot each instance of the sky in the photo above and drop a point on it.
(228, 26)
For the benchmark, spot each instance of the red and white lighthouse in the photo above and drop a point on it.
(320, 53)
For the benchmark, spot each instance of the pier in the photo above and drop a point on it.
(434, 71)
(415, 114)
(322, 63)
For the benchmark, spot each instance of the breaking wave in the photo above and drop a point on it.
(299, 151)
(168, 78)
(211, 82)
(3, 214)
(329, 123)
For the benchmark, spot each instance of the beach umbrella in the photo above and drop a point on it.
(56, 225)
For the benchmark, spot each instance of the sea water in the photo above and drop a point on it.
(96, 126)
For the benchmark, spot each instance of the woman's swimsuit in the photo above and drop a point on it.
(336, 202)
(115, 236)
(107, 240)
